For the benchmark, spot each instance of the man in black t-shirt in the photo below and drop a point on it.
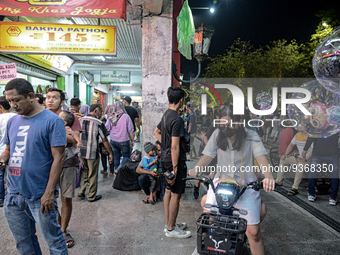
(325, 158)
(170, 133)
(132, 112)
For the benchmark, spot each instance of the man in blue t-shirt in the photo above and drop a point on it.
(35, 144)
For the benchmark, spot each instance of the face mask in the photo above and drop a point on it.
(227, 131)
(202, 136)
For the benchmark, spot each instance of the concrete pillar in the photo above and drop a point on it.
(69, 81)
(156, 72)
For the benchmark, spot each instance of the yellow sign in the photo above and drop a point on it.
(57, 38)
(59, 63)
(38, 2)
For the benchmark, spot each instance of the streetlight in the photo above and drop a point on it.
(212, 10)
(201, 47)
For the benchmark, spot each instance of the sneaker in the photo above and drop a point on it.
(178, 233)
(181, 225)
(311, 198)
(1, 202)
(332, 201)
(196, 192)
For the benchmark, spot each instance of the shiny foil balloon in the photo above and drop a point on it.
(326, 62)
(324, 109)
(264, 99)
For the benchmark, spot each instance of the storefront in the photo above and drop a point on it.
(40, 79)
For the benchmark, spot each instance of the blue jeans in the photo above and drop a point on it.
(2, 182)
(22, 215)
(119, 148)
(330, 160)
(144, 183)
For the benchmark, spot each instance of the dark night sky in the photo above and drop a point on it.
(257, 21)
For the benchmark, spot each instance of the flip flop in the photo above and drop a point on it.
(68, 239)
(151, 201)
(293, 192)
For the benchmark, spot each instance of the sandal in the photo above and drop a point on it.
(293, 192)
(151, 201)
(103, 172)
(69, 240)
(145, 201)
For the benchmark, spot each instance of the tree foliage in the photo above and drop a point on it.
(279, 59)
(276, 60)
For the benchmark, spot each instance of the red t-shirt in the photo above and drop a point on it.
(76, 124)
(286, 137)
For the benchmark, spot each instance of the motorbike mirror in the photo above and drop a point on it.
(243, 212)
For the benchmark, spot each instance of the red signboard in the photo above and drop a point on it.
(64, 8)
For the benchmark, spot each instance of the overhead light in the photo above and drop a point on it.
(100, 57)
(121, 85)
(212, 10)
(127, 91)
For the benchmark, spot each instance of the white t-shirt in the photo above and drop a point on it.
(3, 123)
(253, 147)
(230, 160)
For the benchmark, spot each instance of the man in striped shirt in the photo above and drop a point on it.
(75, 107)
(93, 128)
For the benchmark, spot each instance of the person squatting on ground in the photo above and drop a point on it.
(5, 115)
(144, 180)
(120, 127)
(170, 133)
(93, 128)
(54, 102)
(325, 150)
(236, 146)
(150, 163)
(33, 173)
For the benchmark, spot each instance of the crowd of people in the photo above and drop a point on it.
(72, 144)
(68, 141)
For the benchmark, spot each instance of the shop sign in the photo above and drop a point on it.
(87, 78)
(64, 8)
(122, 77)
(58, 63)
(43, 38)
(8, 71)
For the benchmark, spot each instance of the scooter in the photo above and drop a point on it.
(220, 232)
